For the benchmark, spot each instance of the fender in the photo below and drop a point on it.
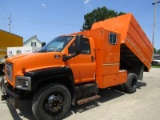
(42, 75)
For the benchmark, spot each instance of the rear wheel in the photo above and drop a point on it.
(51, 102)
(131, 85)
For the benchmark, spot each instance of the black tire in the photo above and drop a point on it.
(51, 102)
(131, 85)
(1, 69)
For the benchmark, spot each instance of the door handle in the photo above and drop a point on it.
(92, 58)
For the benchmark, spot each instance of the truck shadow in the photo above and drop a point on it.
(141, 84)
(106, 95)
(25, 108)
(23, 112)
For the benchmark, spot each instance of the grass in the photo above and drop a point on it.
(156, 66)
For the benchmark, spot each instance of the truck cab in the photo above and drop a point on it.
(60, 53)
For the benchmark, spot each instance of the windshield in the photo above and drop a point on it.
(57, 44)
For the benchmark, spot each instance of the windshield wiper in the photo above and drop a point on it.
(42, 51)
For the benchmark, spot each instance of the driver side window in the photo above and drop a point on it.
(85, 47)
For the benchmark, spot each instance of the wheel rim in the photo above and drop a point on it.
(54, 104)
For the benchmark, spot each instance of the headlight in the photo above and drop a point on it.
(23, 83)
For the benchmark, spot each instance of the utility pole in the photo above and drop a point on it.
(154, 20)
(9, 24)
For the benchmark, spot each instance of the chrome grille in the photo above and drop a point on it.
(8, 70)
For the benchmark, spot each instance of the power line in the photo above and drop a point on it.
(3, 11)
(143, 9)
(2, 18)
(37, 29)
(3, 8)
(46, 22)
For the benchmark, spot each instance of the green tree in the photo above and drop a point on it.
(96, 15)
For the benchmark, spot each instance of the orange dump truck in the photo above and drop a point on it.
(72, 68)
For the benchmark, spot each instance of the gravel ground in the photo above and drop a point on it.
(114, 105)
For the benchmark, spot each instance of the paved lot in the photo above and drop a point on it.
(114, 105)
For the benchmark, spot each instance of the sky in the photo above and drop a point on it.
(50, 18)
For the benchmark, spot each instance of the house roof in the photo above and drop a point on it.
(30, 39)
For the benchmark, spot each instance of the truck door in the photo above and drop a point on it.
(83, 65)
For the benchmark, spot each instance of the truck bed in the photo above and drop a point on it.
(136, 49)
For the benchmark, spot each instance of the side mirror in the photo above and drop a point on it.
(43, 44)
(78, 43)
(77, 48)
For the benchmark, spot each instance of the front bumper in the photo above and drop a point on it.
(8, 95)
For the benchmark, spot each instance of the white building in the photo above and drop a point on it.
(31, 45)
(33, 42)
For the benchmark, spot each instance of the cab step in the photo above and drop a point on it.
(89, 99)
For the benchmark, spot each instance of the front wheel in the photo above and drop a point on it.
(51, 102)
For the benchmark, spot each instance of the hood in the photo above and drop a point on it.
(35, 61)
